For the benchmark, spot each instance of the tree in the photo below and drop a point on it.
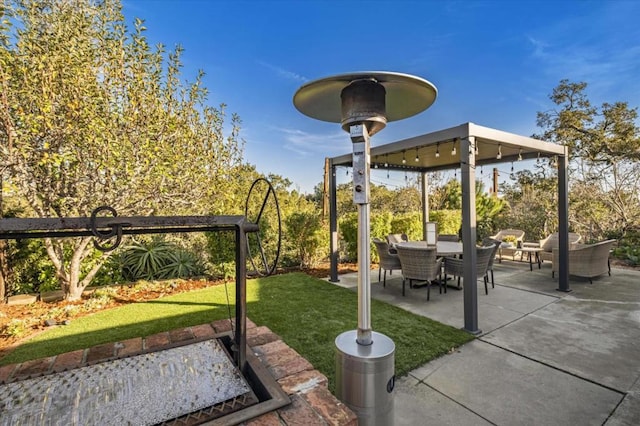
(604, 149)
(91, 115)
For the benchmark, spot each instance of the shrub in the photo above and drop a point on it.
(449, 221)
(158, 259)
(307, 237)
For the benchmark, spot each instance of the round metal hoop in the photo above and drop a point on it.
(256, 247)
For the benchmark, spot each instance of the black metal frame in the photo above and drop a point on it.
(106, 228)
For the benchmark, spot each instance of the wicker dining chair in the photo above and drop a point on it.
(490, 242)
(388, 261)
(455, 266)
(419, 264)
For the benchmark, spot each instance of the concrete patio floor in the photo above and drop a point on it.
(544, 357)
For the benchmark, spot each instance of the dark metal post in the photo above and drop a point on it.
(470, 275)
(241, 298)
(563, 223)
(333, 224)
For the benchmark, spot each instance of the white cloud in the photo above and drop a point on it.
(305, 144)
(288, 75)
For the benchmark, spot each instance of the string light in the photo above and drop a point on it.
(520, 155)
(405, 176)
(438, 150)
(386, 160)
(477, 152)
(480, 169)
(404, 160)
(417, 158)
(455, 173)
(538, 159)
(499, 156)
(453, 148)
(512, 175)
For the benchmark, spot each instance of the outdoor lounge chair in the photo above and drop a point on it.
(419, 264)
(388, 261)
(455, 266)
(548, 244)
(586, 260)
(502, 234)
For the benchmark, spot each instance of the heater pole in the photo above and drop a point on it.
(361, 194)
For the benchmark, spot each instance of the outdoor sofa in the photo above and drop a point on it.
(551, 242)
(586, 260)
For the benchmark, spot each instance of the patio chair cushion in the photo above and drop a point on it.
(551, 242)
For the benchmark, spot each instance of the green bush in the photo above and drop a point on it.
(449, 221)
(306, 237)
(31, 270)
(349, 233)
(408, 223)
(158, 259)
(221, 248)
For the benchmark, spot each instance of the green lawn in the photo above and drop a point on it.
(307, 313)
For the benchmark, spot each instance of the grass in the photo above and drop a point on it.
(307, 313)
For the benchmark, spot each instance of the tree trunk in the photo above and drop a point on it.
(3, 252)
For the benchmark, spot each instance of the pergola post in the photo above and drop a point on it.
(425, 203)
(563, 223)
(333, 225)
(468, 175)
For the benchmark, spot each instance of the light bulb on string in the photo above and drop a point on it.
(386, 160)
(520, 155)
(438, 150)
(499, 156)
(404, 159)
(538, 159)
(512, 175)
(453, 148)
(480, 169)
(417, 158)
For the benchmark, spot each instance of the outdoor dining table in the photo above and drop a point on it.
(443, 248)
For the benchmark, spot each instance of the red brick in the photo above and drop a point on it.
(6, 371)
(270, 348)
(34, 367)
(260, 335)
(303, 381)
(129, 347)
(268, 419)
(180, 335)
(101, 353)
(224, 325)
(68, 360)
(203, 331)
(329, 407)
(157, 341)
(292, 366)
(221, 326)
(299, 412)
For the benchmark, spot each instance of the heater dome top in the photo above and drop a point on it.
(406, 95)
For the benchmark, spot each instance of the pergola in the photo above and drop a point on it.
(475, 146)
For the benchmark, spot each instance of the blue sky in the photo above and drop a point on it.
(494, 63)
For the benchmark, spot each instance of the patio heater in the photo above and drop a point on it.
(363, 102)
